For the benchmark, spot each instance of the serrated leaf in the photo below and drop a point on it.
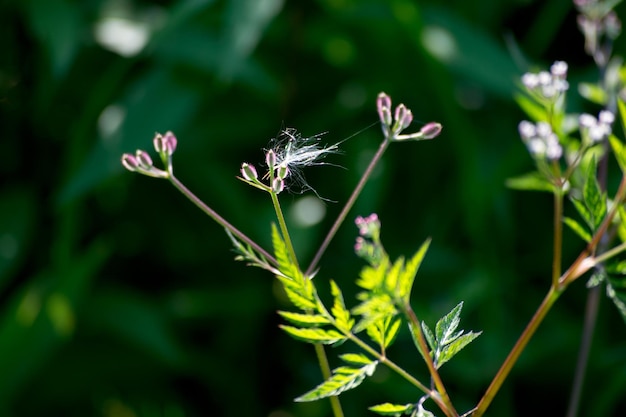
(285, 263)
(407, 277)
(621, 218)
(388, 409)
(355, 359)
(376, 332)
(455, 346)
(429, 336)
(314, 335)
(305, 320)
(578, 229)
(373, 309)
(373, 277)
(344, 378)
(583, 211)
(446, 326)
(299, 293)
(593, 196)
(533, 181)
(391, 276)
(343, 321)
(391, 331)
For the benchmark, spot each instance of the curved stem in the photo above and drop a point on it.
(510, 360)
(220, 220)
(344, 212)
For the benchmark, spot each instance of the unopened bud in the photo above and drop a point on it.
(130, 162)
(278, 185)
(270, 160)
(383, 105)
(400, 113)
(143, 159)
(431, 130)
(282, 172)
(248, 172)
(170, 142)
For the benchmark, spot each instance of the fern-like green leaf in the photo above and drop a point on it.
(344, 378)
(407, 277)
(373, 277)
(299, 293)
(305, 320)
(619, 150)
(285, 263)
(391, 276)
(455, 346)
(594, 198)
(391, 331)
(388, 409)
(446, 326)
(314, 335)
(356, 359)
(343, 320)
(373, 309)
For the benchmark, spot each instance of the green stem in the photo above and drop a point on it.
(506, 367)
(335, 404)
(558, 237)
(344, 212)
(412, 317)
(283, 228)
(220, 220)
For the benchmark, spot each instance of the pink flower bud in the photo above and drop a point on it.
(278, 185)
(431, 130)
(383, 105)
(248, 172)
(400, 112)
(270, 159)
(170, 142)
(130, 162)
(143, 159)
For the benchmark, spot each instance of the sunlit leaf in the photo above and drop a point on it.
(313, 335)
(355, 359)
(446, 326)
(593, 196)
(344, 378)
(407, 276)
(388, 409)
(301, 319)
(451, 349)
(343, 321)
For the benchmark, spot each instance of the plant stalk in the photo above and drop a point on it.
(344, 212)
(220, 220)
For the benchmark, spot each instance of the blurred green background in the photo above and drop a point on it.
(118, 298)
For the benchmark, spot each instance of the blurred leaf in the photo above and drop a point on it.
(300, 319)
(59, 26)
(136, 321)
(578, 229)
(532, 181)
(592, 92)
(29, 333)
(535, 111)
(594, 198)
(616, 291)
(18, 210)
(619, 150)
(158, 98)
(469, 50)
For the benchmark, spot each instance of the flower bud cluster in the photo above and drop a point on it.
(546, 85)
(540, 140)
(140, 162)
(368, 244)
(595, 130)
(402, 118)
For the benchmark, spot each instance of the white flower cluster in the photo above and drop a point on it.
(596, 129)
(540, 140)
(548, 84)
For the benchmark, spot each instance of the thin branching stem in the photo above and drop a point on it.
(220, 220)
(412, 317)
(558, 236)
(344, 212)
